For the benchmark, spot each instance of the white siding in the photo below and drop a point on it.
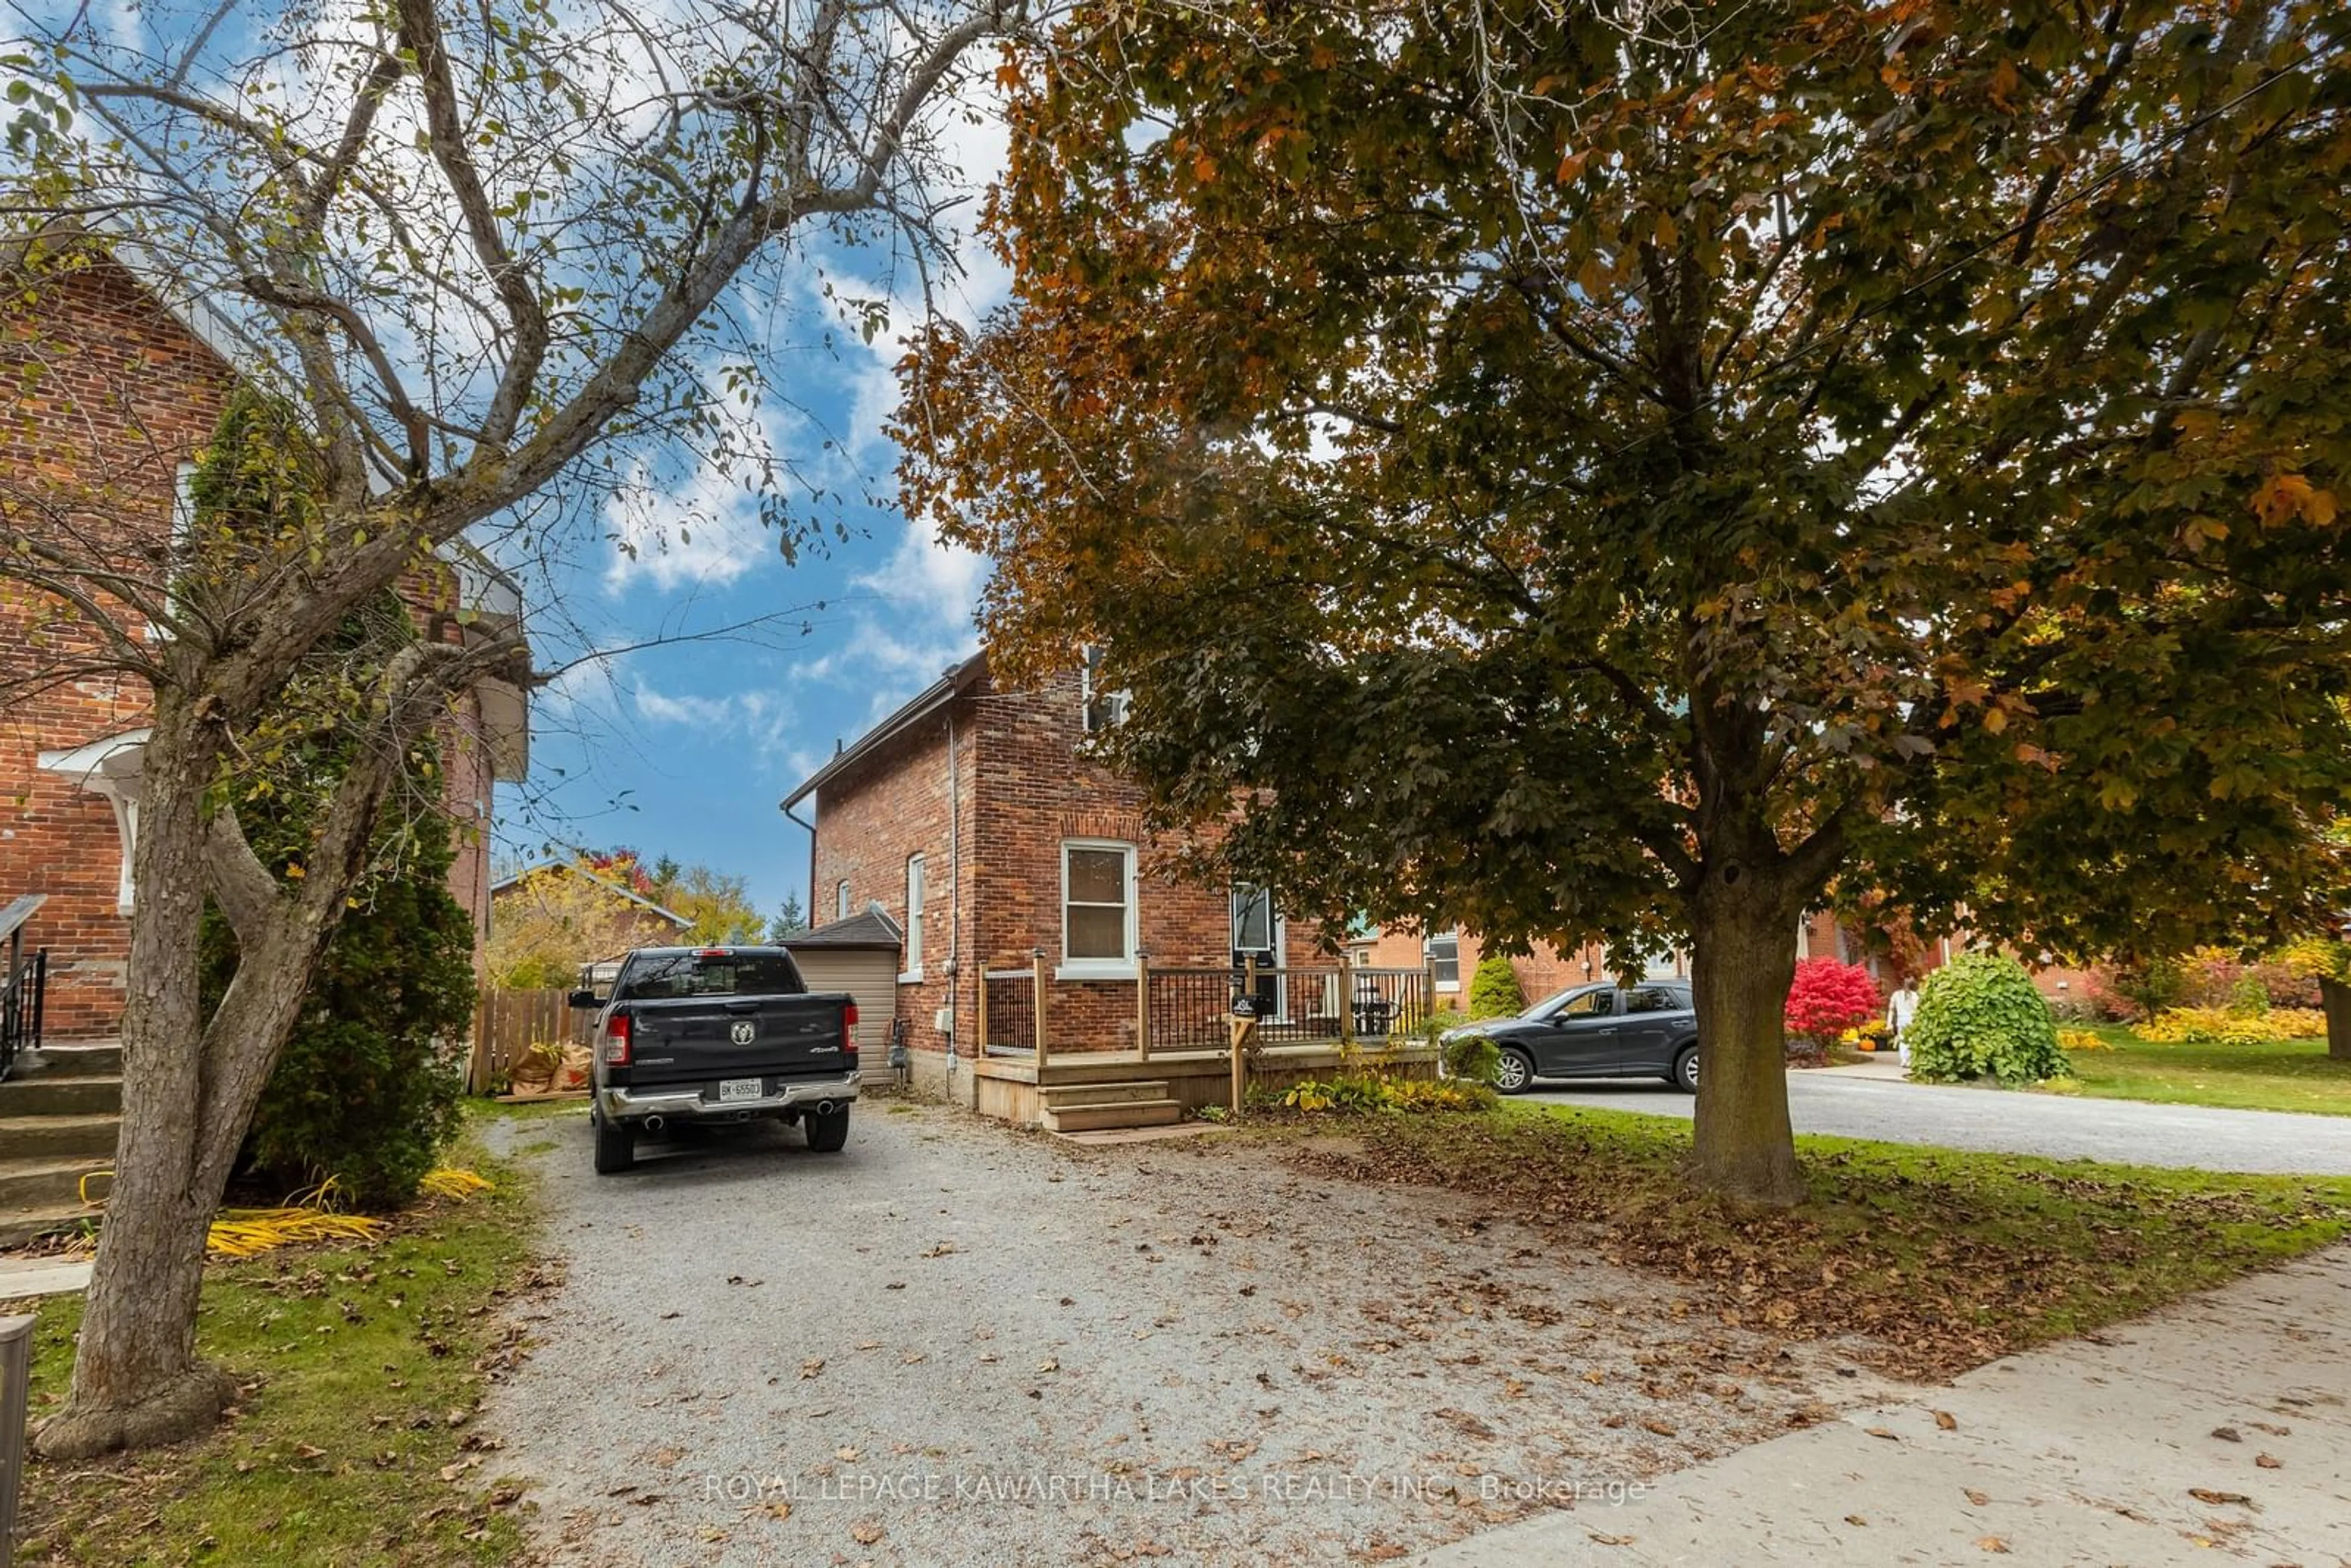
(869, 974)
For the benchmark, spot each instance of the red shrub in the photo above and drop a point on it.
(1829, 997)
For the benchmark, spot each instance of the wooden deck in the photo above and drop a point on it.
(1007, 1087)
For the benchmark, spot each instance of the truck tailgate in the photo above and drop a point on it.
(696, 1039)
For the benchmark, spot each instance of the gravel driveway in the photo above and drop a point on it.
(959, 1344)
(2200, 1137)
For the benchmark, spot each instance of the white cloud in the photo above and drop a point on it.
(754, 715)
(709, 529)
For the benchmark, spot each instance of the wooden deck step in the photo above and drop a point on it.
(1061, 1096)
(1113, 1113)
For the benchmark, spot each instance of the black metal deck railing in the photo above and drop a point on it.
(24, 982)
(1294, 1006)
(1010, 1010)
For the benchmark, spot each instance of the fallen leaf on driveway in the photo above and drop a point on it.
(2206, 1494)
(1048, 1365)
(868, 1344)
(2269, 1461)
(780, 1510)
(811, 1366)
(1856, 1518)
(1882, 1432)
(1612, 1540)
(1947, 1421)
(2227, 1433)
(1992, 1543)
(846, 1453)
(1980, 1499)
(941, 1250)
(739, 1280)
(865, 1532)
(1662, 1428)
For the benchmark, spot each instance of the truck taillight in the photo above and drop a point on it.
(616, 1040)
(849, 1030)
(848, 1016)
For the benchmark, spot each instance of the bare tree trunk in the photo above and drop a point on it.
(190, 1085)
(1744, 938)
(136, 1379)
(2336, 997)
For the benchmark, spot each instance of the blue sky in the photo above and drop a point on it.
(685, 749)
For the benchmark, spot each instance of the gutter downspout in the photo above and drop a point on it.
(786, 807)
(955, 905)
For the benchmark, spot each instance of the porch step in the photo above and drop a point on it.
(44, 1183)
(1112, 1113)
(50, 1093)
(81, 1058)
(18, 1226)
(60, 1136)
(1063, 1096)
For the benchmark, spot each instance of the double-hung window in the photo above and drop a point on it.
(1098, 914)
(1444, 956)
(840, 899)
(914, 943)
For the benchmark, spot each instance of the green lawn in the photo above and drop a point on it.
(2297, 1075)
(1947, 1259)
(364, 1366)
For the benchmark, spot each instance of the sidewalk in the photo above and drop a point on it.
(2216, 1430)
(21, 1277)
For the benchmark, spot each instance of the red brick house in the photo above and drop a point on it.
(972, 819)
(116, 389)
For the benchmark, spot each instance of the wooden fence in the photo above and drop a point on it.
(507, 1023)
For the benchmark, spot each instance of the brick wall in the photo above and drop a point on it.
(110, 394)
(1023, 792)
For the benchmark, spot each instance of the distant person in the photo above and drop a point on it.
(1901, 1009)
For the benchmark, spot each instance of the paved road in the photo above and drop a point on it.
(1856, 1105)
(2216, 1430)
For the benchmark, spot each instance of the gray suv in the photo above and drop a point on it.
(1599, 1030)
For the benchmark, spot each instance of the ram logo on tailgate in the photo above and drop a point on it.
(742, 1033)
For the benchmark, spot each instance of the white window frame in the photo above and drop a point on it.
(176, 551)
(1113, 704)
(840, 899)
(1428, 952)
(914, 937)
(1121, 968)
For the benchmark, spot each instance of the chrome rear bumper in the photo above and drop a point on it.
(687, 1102)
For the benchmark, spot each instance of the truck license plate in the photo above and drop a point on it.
(739, 1088)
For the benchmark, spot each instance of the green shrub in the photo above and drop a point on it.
(1979, 1016)
(366, 1091)
(1494, 990)
(2249, 999)
(1361, 1093)
(1470, 1059)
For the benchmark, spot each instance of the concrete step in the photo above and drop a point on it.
(1111, 1093)
(92, 1133)
(40, 1183)
(18, 1226)
(81, 1058)
(61, 1094)
(1117, 1113)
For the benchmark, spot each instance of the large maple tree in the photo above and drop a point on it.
(1598, 483)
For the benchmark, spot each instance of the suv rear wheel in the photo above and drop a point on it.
(1683, 1076)
(828, 1133)
(1515, 1072)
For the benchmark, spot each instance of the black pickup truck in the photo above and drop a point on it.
(717, 1034)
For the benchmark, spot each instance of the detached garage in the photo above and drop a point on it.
(860, 955)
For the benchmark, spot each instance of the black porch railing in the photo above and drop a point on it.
(1294, 1006)
(24, 981)
(1009, 1010)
